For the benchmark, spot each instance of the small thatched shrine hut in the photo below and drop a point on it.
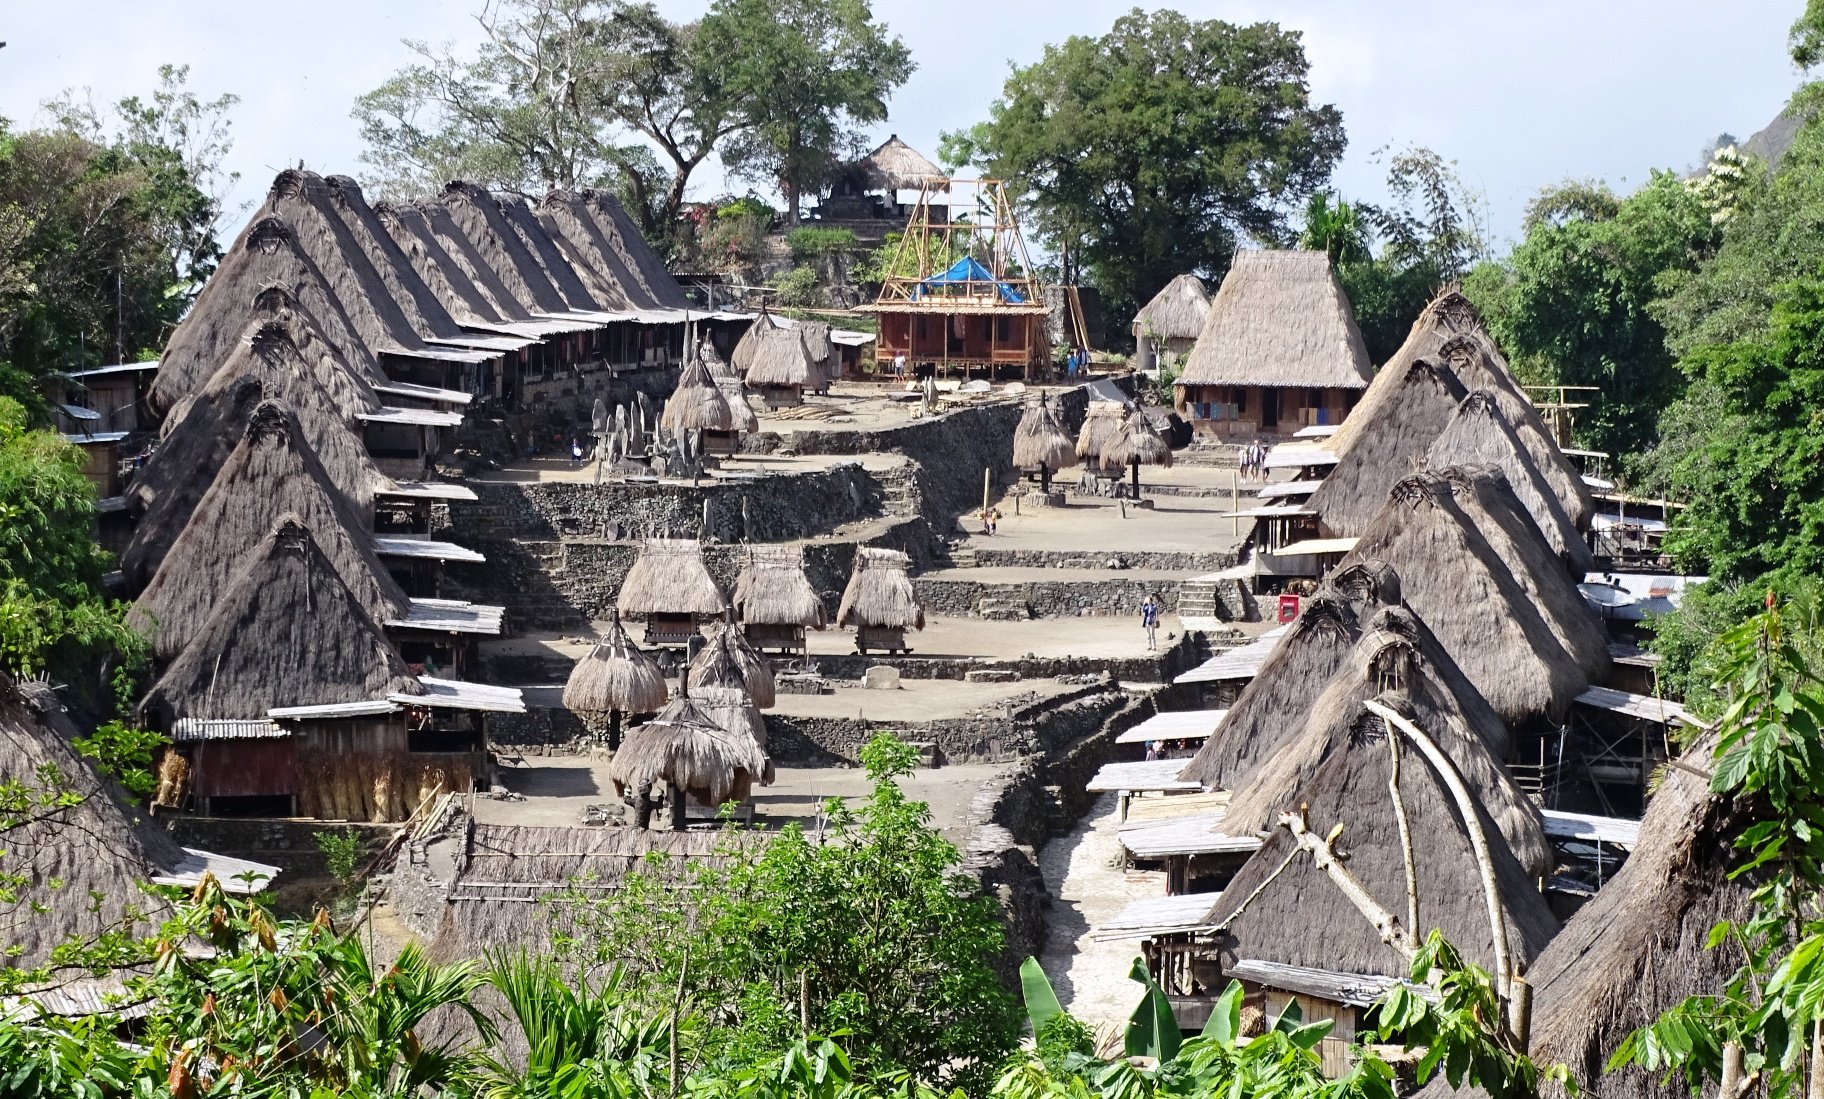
(1385, 439)
(690, 754)
(613, 680)
(820, 349)
(1168, 325)
(698, 404)
(870, 188)
(729, 647)
(1134, 445)
(1278, 352)
(1100, 424)
(779, 365)
(879, 602)
(774, 600)
(670, 587)
(734, 391)
(1040, 443)
(1479, 434)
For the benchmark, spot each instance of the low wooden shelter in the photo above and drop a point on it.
(1279, 351)
(1040, 443)
(614, 680)
(779, 366)
(670, 588)
(1167, 327)
(774, 600)
(879, 601)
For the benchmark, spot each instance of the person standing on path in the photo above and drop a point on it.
(1149, 619)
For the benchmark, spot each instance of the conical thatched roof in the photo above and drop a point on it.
(271, 473)
(1136, 443)
(1177, 312)
(1446, 316)
(683, 748)
(669, 577)
(1280, 319)
(821, 351)
(1388, 441)
(615, 676)
(1479, 434)
(729, 649)
(287, 632)
(1297, 916)
(268, 366)
(880, 592)
(896, 166)
(1396, 648)
(1468, 595)
(1100, 423)
(697, 404)
(728, 380)
(1040, 440)
(773, 590)
(733, 710)
(777, 357)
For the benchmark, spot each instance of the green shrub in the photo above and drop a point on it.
(800, 287)
(809, 242)
(748, 207)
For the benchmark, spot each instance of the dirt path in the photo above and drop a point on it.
(1088, 886)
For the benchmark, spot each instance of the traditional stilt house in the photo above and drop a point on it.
(879, 602)
(691, 756)
(1278, 352)
(613, 681)
(1167, 327)
(1040, 444)
(1385, 438)
(774, 600)
(670, 588)
(1479, 434)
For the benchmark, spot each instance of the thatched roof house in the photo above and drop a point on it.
(1171, 321)
(1385, 439)
(1468, 595)
(271, 473)
(1395, 647)
(880, 592)
(734, 711)
(1279, 349)
(895, 166)
(742, 357)
(820, 349)
(685, 750)
(608, 253)
(1040, 441)
(1446, 316)
(259, 649)
(536, 237)
(1479, 434)
(697, 404)
(773, 590)
(615, 677)
(779, 364)
(447, 261)
(670, 578)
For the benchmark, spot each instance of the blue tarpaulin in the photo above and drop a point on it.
(967, 270)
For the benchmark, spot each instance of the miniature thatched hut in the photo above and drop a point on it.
(820, 349)
(691, 755)
(670, 587)
(1134, 445)
(614, 679)
(729, 646)
(1479, 434)
(1040, 443)
(734, 391)
(1171, 322)
(879, 601)
(1100, 424)
(741, 359)
(774, 600)
(1385, 439)
(1279, 350)
(272, 472)
(779, 365)
(698, 404)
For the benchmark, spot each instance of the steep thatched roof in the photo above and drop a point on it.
(820, 349)
(880, 592)
(1136, 443)
(1279, 319)
(287, 632)
(340, 196)
(1479, 434)
(651, 283)
(608, 253)
(1396, 651)
(1100, 424)
(772, 590)
(734, 391)
(268, 366)
(1468, 594)
(896, 166)
(271, 473)
(1446, 316)
(683, 748)
(1177, 312)
(697, 404)
(733, 709)
(615, 676)
(85, 862)
(742, 357)
(536, 236)
(669, 577)
(1479, 365)
(1040, 439)
(777, 357)
(1296, 916)
(1387, 439)
(729, 648)
(442, 256)
(496, 256)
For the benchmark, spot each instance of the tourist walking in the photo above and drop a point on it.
(1149, 620)
(990, 516)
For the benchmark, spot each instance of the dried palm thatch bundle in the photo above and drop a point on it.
(615, 677)
(669, 577)
(1040, 441)
(773, 590)
(1479, 434)
(1136, 443)
(1396, 652)
(880, 592)
(287, 632)
(1177, 312)
(1280, 318)
(730, 660)
(1100, 424)
(1388, 441)
(697, 404)
(272, 472)
(687, 751)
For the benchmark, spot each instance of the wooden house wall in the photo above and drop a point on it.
(962, 338)
(1333, 1050)
(1241, 411)
(262, 767)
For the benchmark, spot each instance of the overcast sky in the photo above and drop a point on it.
(1521, 95)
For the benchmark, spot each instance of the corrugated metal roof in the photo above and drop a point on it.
(1150, 916)
(330, 711)
(1313, 546)
(1644, 707)
(429, 490)
(1353, 989)
(1582, 826)
(1269, 511)
(425, 392)
(1177, 725)
(415, 417)
(236, 875)
(1287, 456)
(454, 694)
(451, 616)
(1287, 488)
(400, 545)
(1198, 835)
(1238, 663)
(187, 729)
(1157, 774)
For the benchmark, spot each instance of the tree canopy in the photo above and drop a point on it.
(1158, 147)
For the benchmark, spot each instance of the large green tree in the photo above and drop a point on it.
(1156, 148)
(804, 75)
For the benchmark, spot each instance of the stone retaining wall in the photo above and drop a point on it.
(959, 598)
(1103, 559)
(999, 734)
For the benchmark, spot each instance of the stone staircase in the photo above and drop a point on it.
(900, 494)
(1002, 608)
(962, 557)
(1198, 599)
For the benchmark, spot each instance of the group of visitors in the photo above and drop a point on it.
(1076, 362)
(1167, 749)
(1253, 461)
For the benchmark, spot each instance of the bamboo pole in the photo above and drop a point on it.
(1323, 857)
(1399, 816)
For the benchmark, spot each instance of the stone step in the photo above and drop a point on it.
(1001, 609)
